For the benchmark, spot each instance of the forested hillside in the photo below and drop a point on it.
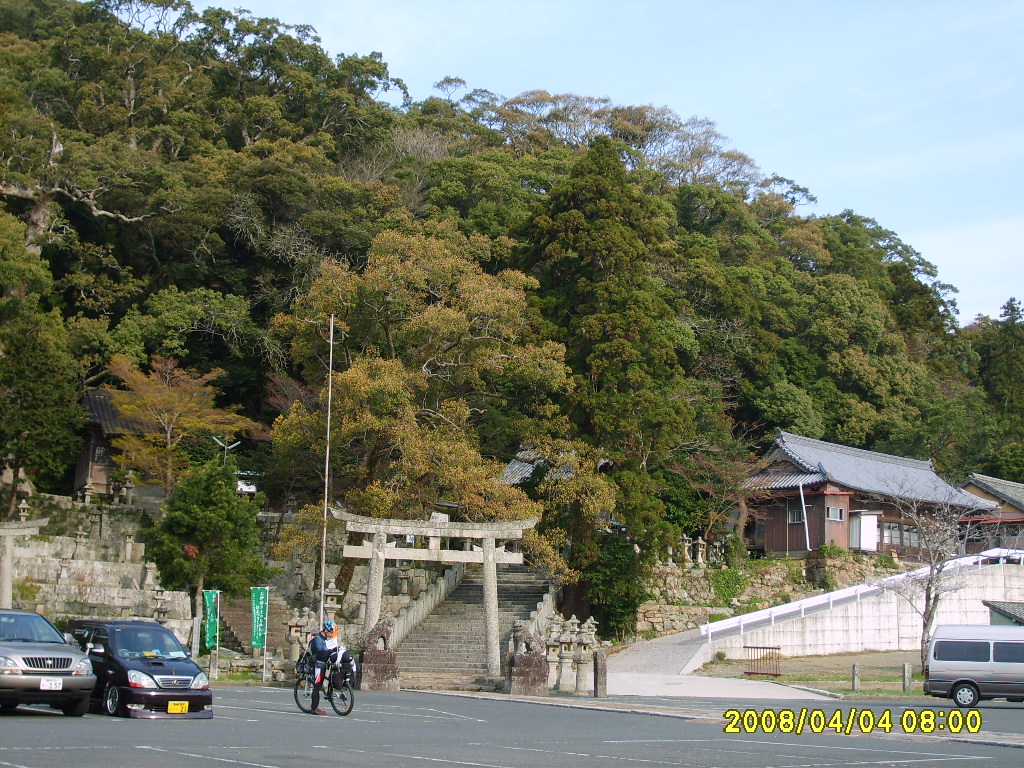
(611, 287)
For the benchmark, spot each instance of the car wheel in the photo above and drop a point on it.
(112, 701)
(76, 708)
(964, 695)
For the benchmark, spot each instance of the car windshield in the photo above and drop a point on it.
(27, 628)
(148, 643)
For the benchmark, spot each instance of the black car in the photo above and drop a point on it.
(142, 670)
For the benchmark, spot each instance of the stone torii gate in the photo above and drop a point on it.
(488, 554)
(8, 530)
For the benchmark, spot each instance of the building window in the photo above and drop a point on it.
(891, 533)
(835, 513)
(795, 511)
(911, 538)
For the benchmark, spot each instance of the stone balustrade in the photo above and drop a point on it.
(412, 614)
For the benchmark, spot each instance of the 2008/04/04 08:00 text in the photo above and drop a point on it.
(852, 721)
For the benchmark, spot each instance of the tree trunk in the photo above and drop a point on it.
(196, 639)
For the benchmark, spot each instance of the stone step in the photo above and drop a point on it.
(448, 649)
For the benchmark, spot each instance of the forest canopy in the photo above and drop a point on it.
(612, 289)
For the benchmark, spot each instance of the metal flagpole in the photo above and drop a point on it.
(327, 475)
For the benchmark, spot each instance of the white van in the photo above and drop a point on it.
(968, 663)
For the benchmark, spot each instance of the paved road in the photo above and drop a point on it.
(258, 727)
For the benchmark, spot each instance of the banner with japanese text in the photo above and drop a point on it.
(260, 598)
(211, 635)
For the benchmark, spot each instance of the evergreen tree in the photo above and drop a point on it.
(208, 536)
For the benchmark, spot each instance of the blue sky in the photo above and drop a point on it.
(911, 113)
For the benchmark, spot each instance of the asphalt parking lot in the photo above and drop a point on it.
(261, 727)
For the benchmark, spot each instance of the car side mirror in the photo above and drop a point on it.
(69, 639)
(188, 650)
(97, 648)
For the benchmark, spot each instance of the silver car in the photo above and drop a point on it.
(39, 666)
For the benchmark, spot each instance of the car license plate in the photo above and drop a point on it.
(177, 707)
(51, 684)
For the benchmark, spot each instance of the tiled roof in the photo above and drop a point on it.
(520, 469)
(774, 479)
(101, 411)
(526, 462)
(1013, 611)
(1011, 493)
(860, 470)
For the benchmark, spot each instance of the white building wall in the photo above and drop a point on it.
(879, 622)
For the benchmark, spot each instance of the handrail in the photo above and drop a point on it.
(540, 617)
(769, 616)
(412, 614)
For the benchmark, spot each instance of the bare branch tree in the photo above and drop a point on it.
(937, 531)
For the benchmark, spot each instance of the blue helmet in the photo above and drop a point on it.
(329, 627)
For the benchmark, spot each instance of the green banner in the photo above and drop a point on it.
(260, 596)
(211, 635)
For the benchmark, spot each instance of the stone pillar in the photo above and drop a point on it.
(8, 531)
(379, 666)
(96, 519)
(566, 653)
(375, 582)
(600, 673)
(490, 577)
(585, 657)
(403, 585)
(702, 551)
(129, 543)
(295, 639)
(331, 604)
(687, 557)
(552, 647)
(527, 668)
(7, 572)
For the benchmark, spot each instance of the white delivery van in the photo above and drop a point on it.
(968, 663)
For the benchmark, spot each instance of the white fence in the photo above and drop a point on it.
(769, 616)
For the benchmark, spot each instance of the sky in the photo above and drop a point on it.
(910, 112)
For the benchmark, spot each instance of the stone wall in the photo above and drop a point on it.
(658, 619)
(683, 595)
(87, 562)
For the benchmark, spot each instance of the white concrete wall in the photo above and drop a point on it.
(880, 622)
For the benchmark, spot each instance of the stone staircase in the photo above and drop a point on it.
(236, 623)
(447, 649)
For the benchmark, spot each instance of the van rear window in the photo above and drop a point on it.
(961, 650)
(1009, 652)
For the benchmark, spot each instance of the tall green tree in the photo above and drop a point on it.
(38, 375)
(1000, 345)
(208, 536)
(38, 397)
(593, 246)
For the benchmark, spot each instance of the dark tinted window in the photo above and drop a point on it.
(961, 650)
(1012, 652)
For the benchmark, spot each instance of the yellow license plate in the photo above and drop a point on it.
(177, 707)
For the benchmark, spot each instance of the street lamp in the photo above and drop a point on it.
(226, 447)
